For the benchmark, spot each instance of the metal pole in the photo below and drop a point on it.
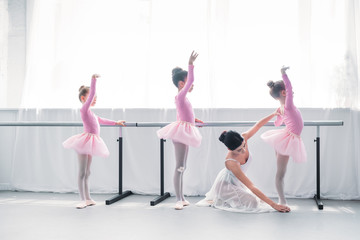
(120, 194)
(317, 196)
(163, 195)
(161, 124)
(162, 167)
(120, 160)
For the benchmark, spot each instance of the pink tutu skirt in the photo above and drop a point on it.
(87, 143)
(183, 132)
(286, 143)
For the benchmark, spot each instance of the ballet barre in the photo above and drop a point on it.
(121, 194)
(316, 124)
(163, 195)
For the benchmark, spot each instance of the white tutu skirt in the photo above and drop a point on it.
(286, 143)
(87, 143)
(183, 132)
(229, 194)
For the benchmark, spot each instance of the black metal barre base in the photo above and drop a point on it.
(163, 195)
(121, 194)
(317, 197)
(159, 199)
(319, 203)
(118, 197)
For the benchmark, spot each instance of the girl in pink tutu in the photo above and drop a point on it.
(287, 141)
(88, 143)
(182, 132)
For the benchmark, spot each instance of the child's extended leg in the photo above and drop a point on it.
(89, 201)
(83, 180)
(82, 158)
(181, 151)
(184, 201)
(282, 162)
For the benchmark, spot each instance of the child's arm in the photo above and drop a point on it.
(236, 170)
(289, 92)
(105, 121)
(190, 76)
(249, 133)
(92, 93)
(279, 119)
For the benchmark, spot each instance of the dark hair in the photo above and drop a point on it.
(178, 74)
(83, 90)
(231, 139)
(276, 88)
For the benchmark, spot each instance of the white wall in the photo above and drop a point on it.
(33, 159)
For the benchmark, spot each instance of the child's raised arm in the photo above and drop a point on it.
(92, 93)
(288, 88)
(193, 57)
(190, 76)
(249, 133)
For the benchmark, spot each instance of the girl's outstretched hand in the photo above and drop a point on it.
(95, 75)
(122, 123)
(198, 121)
(281, 208)
(192, 58)
(283, 70)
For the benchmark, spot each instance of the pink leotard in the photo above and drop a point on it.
(292, 116)
(184, 109)
(92, 122)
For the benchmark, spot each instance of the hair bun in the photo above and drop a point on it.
(81, 88)
(270, 84)
(222, 136)
(176, 70)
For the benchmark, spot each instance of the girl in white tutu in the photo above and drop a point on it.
(88, 143)
(183, 132)
(287, 141)
(232, 189)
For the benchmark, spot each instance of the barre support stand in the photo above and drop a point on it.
(120, 194)
(163, 195)
(317, 197)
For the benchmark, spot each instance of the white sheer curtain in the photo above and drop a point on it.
(329, 37)
(4, 19)
(135, 44)
(242, 44)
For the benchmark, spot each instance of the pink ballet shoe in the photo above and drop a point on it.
(179, 205)
(185, 203)
(81, 205)
(90, 202)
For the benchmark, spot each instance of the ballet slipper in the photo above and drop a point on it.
(179, 205)
(81, 205)
(185, 203)
(90, 202)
